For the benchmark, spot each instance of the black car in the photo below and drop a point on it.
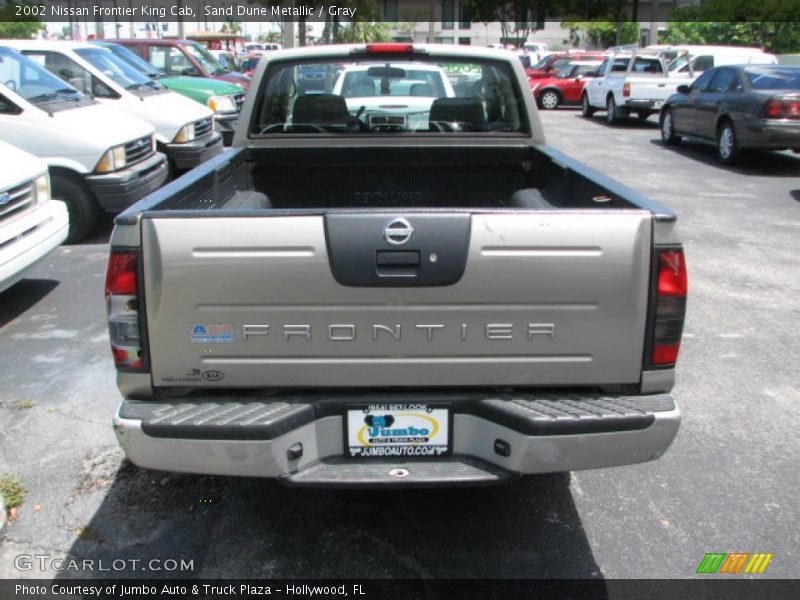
(736, 108)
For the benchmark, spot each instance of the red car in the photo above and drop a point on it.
(553, 63)
(564, 88)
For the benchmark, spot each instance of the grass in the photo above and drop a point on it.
(12, 490)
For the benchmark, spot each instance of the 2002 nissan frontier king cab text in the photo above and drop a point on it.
(392, 280)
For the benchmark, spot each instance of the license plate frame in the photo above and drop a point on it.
(409, 417)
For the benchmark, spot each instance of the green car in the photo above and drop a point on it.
(224, 98)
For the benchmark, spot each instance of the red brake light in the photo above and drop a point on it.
(121, 274)
(665, 355)
(672, 280)
(626, 89)
(390, 48)
(670, 309)
(782, 109)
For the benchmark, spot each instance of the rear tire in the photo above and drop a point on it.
(81, 205)
(668, 129)
(587, 110)
(728, 150)
(612, 115)
(549, 100)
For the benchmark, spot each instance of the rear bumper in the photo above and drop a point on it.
(649, 105)
(26, 240)
(773, 134)
(116, 191)
(252, 438)
(188, 156)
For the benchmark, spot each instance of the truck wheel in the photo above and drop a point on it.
(549, 100)
(587, 110)
(612, 116)
(727, 147)
(80, 202)
(668, 129)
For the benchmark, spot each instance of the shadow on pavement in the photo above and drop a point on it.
(23, 295)
(250, 528)
(754, 162)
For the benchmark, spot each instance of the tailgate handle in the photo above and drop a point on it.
(393, 263)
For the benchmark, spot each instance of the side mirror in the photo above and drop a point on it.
(683, 89)
(190, 72)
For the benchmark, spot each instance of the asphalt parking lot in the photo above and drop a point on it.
(729, 483)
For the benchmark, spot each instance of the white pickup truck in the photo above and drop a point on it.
(31, 223)
(629, 83)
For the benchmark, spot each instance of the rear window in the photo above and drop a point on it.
(774, 79)
(379, 96)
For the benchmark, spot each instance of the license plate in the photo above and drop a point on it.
(397, 431)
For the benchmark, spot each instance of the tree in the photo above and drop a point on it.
(12, 26)
(411, 20)
(359, 32)
(601, 34)
(771, 24)
(517, 18)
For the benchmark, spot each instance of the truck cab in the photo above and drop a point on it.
(99, 158)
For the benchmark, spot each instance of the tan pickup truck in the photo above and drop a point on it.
(397, 284)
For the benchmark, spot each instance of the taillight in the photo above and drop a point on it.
(670, 310)
(626, 89)
(390, 48)
(782, 109)
(122, 305)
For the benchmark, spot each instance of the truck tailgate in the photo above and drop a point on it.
(545, 298)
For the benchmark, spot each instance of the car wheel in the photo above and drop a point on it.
(549, 100)
(81, 205)
(611, 111)
(727, 147)
(587, 110)
(668, 129)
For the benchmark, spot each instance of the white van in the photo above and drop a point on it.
(184, 128)
(31, 223)
(98, 157)
(701, 58)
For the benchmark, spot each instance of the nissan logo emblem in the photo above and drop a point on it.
(398, 232)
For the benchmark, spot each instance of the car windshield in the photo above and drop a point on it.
(373, 96)
(116, 69)
(541, 64)
(33, 82)
(774, 79)
(206, 59)
(135, 61)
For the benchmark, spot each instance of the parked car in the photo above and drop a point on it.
(737, 108)
(628, 83)
(98, 157)
(222, 97)
(690, 60)
(553, 63)
(227, 59)
(32, 224)
(564, 88)
(184, 129)
(183, 57)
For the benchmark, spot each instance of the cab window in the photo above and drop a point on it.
(70, 71)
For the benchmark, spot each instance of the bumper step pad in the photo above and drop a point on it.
(346, 472)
